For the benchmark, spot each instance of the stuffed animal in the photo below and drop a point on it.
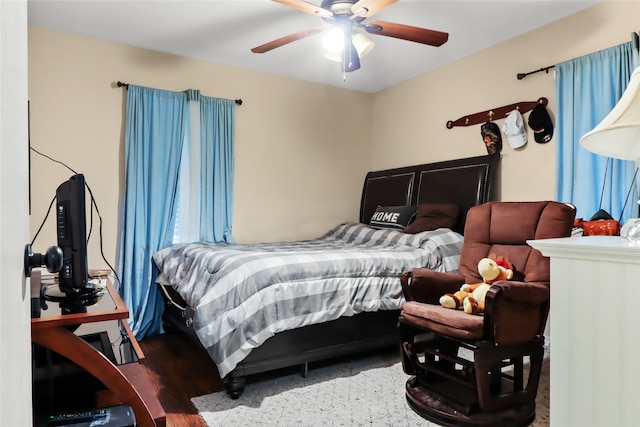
(471, 296)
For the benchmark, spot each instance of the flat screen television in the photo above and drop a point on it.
(71, 227)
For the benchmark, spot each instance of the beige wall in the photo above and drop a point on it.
(299, 146)
(302, 149)
(410, 118)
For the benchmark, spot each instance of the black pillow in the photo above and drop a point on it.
(393, 217)
(431, 216)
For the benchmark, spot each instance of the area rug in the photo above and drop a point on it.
(365, 391)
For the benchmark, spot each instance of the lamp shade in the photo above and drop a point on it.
(361, 42)
(333, 41)
(618, 134)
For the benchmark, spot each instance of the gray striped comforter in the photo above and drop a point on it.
(244, 294)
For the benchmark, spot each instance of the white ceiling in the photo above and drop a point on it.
(224, 32)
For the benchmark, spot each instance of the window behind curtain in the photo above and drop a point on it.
(188, 198)
(587, 89)
(205, 198)
(159, 124)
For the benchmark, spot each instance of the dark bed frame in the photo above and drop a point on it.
(466, 182)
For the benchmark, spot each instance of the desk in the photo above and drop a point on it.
(595, 343)
(52, 331)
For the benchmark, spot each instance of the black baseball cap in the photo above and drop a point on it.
(491, 136)
(540, 123)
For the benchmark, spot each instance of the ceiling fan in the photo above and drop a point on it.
(349, 15)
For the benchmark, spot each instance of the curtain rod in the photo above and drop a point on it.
(545, 69)
(126, 86)
(520, 76)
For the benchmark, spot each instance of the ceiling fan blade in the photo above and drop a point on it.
(367, 8)
(287, 39)
(407, 32)
(306, 7)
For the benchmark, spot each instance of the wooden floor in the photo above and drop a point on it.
(180, 370)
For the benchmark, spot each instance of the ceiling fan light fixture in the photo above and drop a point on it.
(362, 44)
(333, 41)
(333, 56)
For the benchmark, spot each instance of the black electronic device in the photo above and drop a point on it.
(71, 227)
(113, 416)
(69, 258)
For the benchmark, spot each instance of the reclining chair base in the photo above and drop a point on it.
(458, 383)
(430, 405)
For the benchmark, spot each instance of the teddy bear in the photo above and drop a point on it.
(471, 296)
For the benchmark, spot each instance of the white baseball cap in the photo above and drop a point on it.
(514, 130)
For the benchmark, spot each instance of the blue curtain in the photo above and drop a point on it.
(217, 129)
(587, 89)
(156, 126)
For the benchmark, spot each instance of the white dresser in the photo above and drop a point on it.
(595, 331)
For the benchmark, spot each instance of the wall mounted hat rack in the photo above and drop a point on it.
(496, 113)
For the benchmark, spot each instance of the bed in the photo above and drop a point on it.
(307, 300)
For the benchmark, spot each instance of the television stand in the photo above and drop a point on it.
(53, 330)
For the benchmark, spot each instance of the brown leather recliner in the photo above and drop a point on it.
(469, 370)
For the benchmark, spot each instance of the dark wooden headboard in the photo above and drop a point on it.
(466, 182)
